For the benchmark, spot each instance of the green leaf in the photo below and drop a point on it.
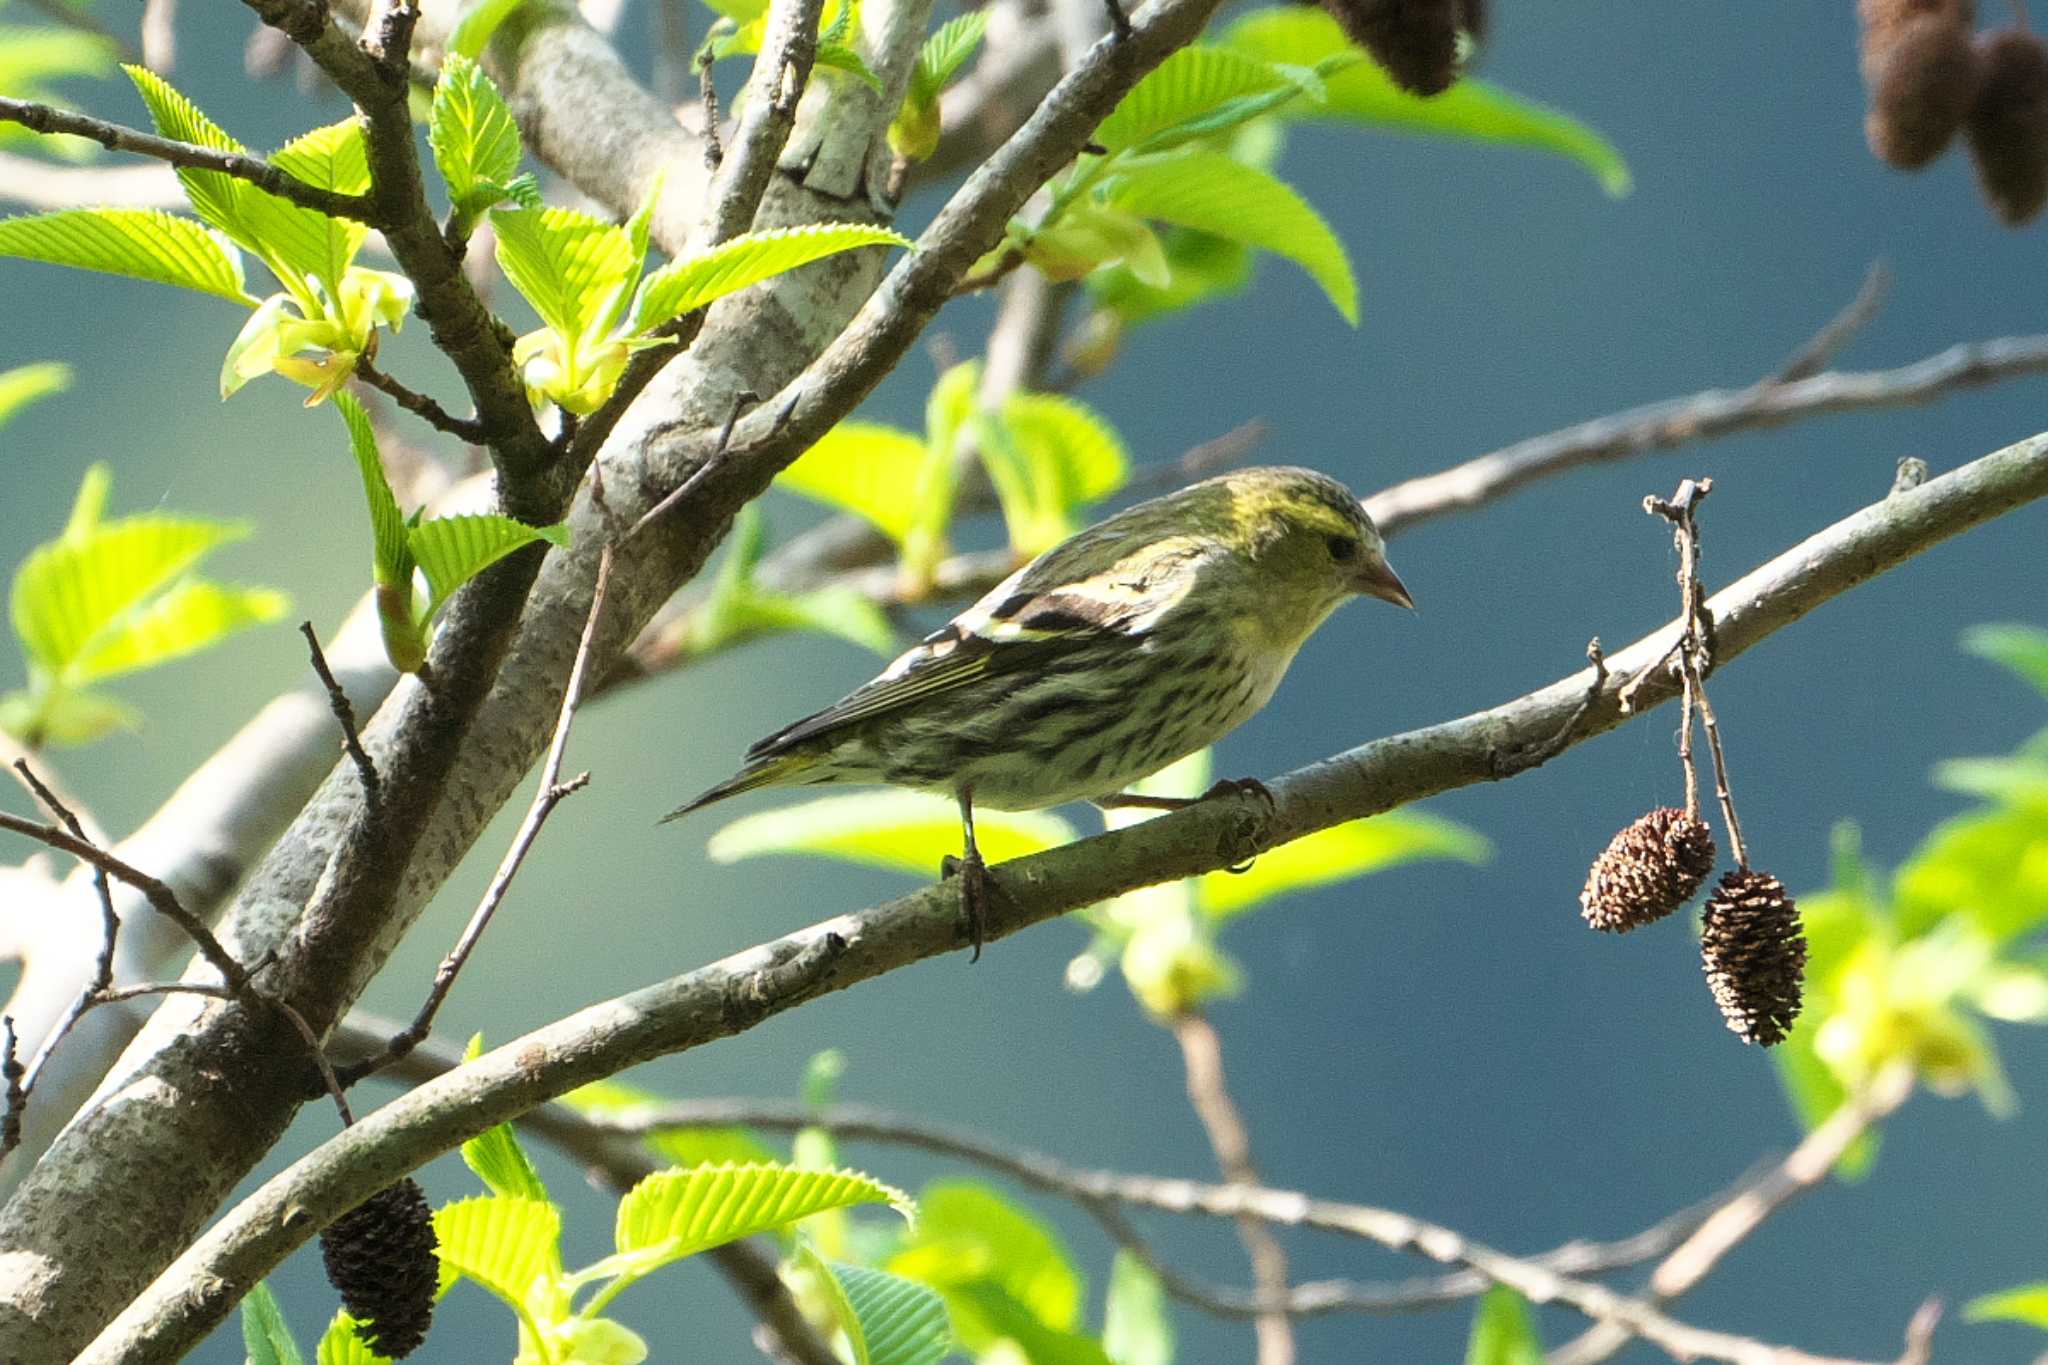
(570, 266)
(264, 1334)
(1214, 193)
(2022, 649)
(1340, 854)
(25, 384)
(473, 135)
(391, 554)
(141, 244)
(674, 1214)
(453, 550)
(870, 470)
(330, 158)
(70, 716)
(343, 1345)
(1200, 266)
(503, 1244)
(1503, 1331)
(1362, 93)
(480, 20)
(684, 1146)
(690, 282)
(1990, 867)
(215, 197)
(842, 57)
(899, 830)
(2028, 1304)
(32, 58)
(1816, 1092)
(502, 1164)
(185, 618)
(1195, 81)
(1049, 457)
(1136, 1328)
(967, 1234)
(740, 609)
(945, 52)
(985, 1313)
(888, 1320)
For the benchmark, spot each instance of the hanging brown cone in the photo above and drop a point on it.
(1416, 41)
(1922, 74)
(2008, 125)
(380, 1257)
(1648, 870)
(1754, 953)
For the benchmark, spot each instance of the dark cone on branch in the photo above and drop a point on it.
(2008, 125)
(1648, 870)
(380, 1257)
(1476, 18)
(1922, 74)
(1754, 953)
(1416, 41)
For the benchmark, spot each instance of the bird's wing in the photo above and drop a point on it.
(1038, 613)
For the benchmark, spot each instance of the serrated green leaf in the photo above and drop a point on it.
(570, 266)
(141, 244)
(1196, 80)
(68, 593)
(693, 281)
(841, 57)
(501, 1243)
(1340, 853)
(32, 58)
(2022, 649)
(1068, 456)
(453, 550)
(685, 1146)
(502, 1164)
(188, 617)
(342, 1345)
(264, 1333)
(1214, 193)
(215, 197)
(1503, 1331)
(25, 384)
(888, 1320)
(942, 55)
(899, 830)
(1361, 93)
(474, 137)
(966, 1235)
(1136, 1328)
(1200, 266)
(2028, 1304)
(391, 554)
(472, 32)
(329, 158)
(739, 11)
(674, 1214)
(867, 469)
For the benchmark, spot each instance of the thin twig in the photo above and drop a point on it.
(420, 405)
(344, 716)
(740, 403)
(707, 94)
(17, 1089)
(43, 118)
(782, 71)
(1538, 754)
(1844, 327)
(1202, 1058)
(551, 792)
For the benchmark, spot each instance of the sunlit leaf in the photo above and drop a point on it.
(870, 470)
(1338, 854)
(185, 618)
(25, 384)
(502, 1164)
(986, 1315)
(480, 19)
(330, 158)
(1363, 93)
(141, 244)
(453, 550)
(2028, 1304)
(690, 282)
(1200, 266)
(31, 59)
(474, 137)
(678, 1213)
(1050, 457)
(391, 555)
(945, 52)
(503, 1244)
(888, 1320)
(71, 716)
(570, 266)
(966, 1234)
(214, 196)
(1503, 1331)
(264, 1333)
(2022, 649)
(343, 1345)
(1990, 866)
(1214, 193)
(899, 830)
(1136, 1328)
(1194, 81)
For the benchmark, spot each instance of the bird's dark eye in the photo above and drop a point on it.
(1343, 549)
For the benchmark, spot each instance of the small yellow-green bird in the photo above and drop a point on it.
(1125, 647)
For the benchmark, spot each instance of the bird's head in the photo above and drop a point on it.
(1308, 537)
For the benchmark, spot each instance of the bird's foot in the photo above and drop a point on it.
(1243, 786)
(975, 885)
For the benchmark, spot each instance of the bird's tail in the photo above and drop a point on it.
(762, 772)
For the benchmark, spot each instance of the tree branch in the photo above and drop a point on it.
(731, 996)
(42, 118)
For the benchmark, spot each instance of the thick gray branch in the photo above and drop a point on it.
(733, 995)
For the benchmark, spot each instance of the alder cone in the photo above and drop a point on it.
(1648, 870)
(1476, 18)
(2008, 125)
(1754, 954)
(380, 1258)
(1416, 41)
(1922, 73)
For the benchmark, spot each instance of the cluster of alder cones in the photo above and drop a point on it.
(1752, 946)
(1931, 76)
(1420, 43)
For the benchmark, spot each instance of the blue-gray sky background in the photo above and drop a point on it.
(1443, 1039)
